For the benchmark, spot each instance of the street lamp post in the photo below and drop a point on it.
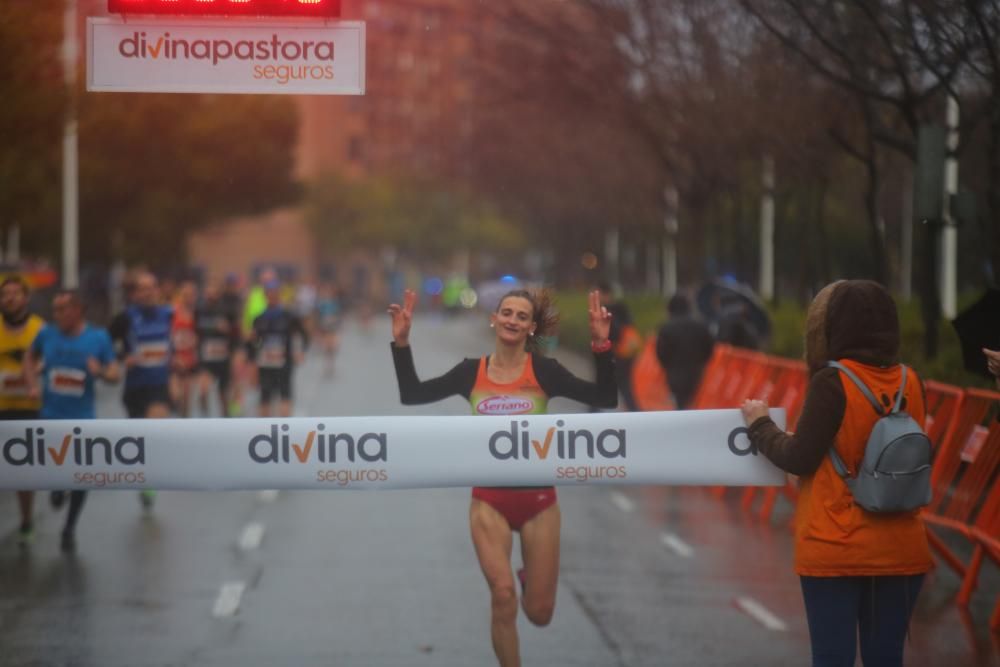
(70, 176)
(671, 226)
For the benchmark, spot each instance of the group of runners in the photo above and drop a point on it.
(168, 350)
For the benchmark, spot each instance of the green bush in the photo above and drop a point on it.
(788, 334)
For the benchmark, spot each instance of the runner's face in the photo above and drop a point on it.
(13, 299)
(513, 320)
(66, 313)
(145, 292)
(189, 294)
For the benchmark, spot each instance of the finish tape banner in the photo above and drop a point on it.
(704, 447)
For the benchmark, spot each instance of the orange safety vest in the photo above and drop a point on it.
(834, 536)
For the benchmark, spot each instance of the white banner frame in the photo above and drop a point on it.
(120, 56)
(698, 447)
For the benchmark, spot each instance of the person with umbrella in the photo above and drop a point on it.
(978, 329)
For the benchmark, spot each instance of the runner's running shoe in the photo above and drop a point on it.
(147, 497)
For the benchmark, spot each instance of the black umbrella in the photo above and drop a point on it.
(978, 326)
(712, 299)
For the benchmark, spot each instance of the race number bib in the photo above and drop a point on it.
(214, 350)
(67, 381)
(273, 355)
(184, 340)
(152, 354)
(13, 385)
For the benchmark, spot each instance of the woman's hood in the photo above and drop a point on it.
(861, 323)
(852, 319)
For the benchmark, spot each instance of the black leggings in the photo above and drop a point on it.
(872, 611)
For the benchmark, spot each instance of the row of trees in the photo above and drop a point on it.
(588, 110)
(583, 113)
(152, 167)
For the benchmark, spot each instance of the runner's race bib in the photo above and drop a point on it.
(67, 381)
(273, 355)
(214, 350)
(184, 340)
(152, 354)
(13, 384)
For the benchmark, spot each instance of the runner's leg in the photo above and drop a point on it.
(540, 551)
(76, 501)
(493, 539)
(26, 504)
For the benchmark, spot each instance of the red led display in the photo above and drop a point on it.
(324, 8)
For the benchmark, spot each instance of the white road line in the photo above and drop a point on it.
(761, 614)
(677, 545)
(267, 496)
(228, 602)
(251, 536)
(622, 502)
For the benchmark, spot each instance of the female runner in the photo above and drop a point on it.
(514, 370)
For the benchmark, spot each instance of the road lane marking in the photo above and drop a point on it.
(267, 496)
(251, 536)
(761, 614)
(228, 602)
(677, 545)
(622, 502)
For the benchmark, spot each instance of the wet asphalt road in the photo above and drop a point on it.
(650, 575)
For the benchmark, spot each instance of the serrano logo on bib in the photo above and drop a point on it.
(505, 405)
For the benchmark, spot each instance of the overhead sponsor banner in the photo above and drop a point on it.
(226, 56)
(707, 447)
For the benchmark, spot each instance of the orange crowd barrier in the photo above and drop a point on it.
(966, 499)
(942, 403)
(649, 380)
(963, 425)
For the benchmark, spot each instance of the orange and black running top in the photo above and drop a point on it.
(543, 378)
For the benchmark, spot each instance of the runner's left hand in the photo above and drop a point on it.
(600, 319)
(94, 366)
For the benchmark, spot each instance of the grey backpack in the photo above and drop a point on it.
(895, 473)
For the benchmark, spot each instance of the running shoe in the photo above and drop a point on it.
(26, 535)
(57, 498)
(68, 542)
(147, 497)
(235, 409)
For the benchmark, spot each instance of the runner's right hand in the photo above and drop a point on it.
(402, 318)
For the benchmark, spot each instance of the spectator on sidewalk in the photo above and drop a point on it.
(683, 346)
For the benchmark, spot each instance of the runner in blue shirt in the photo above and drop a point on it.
(69, 357)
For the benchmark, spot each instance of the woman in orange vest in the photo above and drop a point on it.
(860, 572)
(513, 380)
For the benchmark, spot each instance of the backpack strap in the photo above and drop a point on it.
(879, 408)
(902, 390)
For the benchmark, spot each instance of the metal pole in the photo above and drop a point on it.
(767, 229)
(611, 255)
(652, 268)
(671, 225)
(949, 235)
(70, 231)
(13, 245)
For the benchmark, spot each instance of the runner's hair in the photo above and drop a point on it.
(16, 280)
(544, 315)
